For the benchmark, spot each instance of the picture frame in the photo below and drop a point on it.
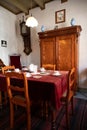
(3, 43)
(60, 16)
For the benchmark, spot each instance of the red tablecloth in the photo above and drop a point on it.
(49, 87)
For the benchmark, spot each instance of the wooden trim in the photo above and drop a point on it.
(61, 31)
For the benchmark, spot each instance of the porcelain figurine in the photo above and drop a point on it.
(72, 22)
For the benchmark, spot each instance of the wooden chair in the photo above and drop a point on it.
(21, 96)
(49, 66)
(4, 69)
(68, 94)
(15, 60)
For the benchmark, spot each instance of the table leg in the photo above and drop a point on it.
(46, 109)
(42, 109)
(0, 99)
(53, 127)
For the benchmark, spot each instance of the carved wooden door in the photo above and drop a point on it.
(65, 52)
(47, 51)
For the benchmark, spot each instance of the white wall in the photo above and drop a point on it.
(7, 33)
(74, 9)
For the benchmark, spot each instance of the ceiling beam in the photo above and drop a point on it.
(40, 3)
(62, 1)
(19, 5)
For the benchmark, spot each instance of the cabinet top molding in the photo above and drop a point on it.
(61, 31)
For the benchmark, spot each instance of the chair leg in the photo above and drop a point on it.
(5, 97)
(0, 99)
(11, 115)
(72, 105)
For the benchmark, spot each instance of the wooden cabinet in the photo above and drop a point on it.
(60, 46)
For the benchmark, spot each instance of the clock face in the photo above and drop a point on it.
(24, 29)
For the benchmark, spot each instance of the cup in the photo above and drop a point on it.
(17, 70)
(35, 68)
(56, 72)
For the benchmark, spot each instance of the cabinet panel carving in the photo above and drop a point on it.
(47, 47)
(65, 52)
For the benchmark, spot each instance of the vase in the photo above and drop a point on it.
(72, 22)
(42, 28)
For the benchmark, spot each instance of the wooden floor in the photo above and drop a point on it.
(81, 95)
(77, 122)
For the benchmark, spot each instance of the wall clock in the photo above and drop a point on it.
(25, 32)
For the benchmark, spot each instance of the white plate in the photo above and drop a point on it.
(34, 73)
(8, 71)
(25, 69)
(28, 75)
(37, 76)
(56, 74)
(45, 73)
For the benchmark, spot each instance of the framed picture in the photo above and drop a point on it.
(60, 16)
(3, 43)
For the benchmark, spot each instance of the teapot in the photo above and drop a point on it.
(33, 68)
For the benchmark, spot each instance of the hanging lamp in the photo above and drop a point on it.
(31, 21)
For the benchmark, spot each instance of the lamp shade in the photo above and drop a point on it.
(31, 22)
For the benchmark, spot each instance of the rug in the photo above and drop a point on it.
(77, 122)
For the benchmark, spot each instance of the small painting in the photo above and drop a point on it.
(60, 16)
(3, 43)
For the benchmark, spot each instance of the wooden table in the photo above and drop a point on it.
(47, 88)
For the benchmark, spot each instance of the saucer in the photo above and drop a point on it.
(56, 74)
(28, 74)
(37, 76)
(44, 73)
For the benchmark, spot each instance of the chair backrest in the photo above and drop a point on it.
(17, 87)
(1, 63)
(49, 66)
(15, 60)
(71, 82)
(7, 68)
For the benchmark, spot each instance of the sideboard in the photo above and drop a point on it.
(61, 47)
